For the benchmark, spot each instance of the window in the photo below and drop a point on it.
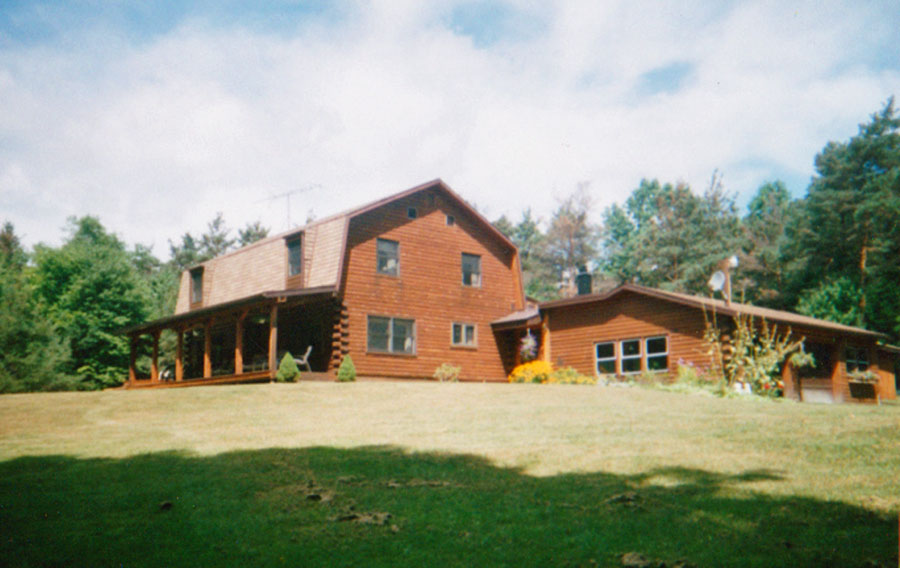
(471, 270)
(391, 335)
(295, 258)
(412, 213)
(388, 257)
(657, 354)
(822, 361)
(857, 359)
(463, 335)
(451, 220)
(605, 356)
(631, 355)
(197, 285)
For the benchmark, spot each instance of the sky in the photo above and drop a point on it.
(156, 115)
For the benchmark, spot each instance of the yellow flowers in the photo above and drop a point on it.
(542, 372)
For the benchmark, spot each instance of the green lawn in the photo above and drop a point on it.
(388, 474)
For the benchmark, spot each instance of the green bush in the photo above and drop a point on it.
(347, 371)
(569, 376)
(288, 371)
(447, 373)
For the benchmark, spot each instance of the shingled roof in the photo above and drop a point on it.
(261, 267)
(716, 306)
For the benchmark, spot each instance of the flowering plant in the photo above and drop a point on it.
(528, 347)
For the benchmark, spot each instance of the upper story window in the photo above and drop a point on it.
(471, 270)
(197, 285)
(856, 359)
(451, 220)
(412, 212)
(387, 257)
(295, 256)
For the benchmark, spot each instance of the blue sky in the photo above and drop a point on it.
(155, 116)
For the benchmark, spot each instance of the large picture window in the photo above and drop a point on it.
(388, 257)
(605, 357)
(471, 270)
(391, 335)
(657, 353)
(631, 356)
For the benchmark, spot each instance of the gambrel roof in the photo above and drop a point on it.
(260, 268)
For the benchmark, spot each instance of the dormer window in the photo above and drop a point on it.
(295, 257)
(197, 285)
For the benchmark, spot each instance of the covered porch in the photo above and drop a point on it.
(241, 341)
(511, 330)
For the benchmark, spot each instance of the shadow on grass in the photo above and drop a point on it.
(382, 506)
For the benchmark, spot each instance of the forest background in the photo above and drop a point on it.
(832, 254)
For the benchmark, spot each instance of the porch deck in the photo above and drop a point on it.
(253, 377)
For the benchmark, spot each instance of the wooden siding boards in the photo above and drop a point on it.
(339, 252)
(575, 330)
(428, 288)
(634, 312)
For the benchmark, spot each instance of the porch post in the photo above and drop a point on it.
(179, 355)
(239, 344)
(273, 340)
(545, 338)
(838, 380)
(132, 356)
(154, 364)
(207, 349)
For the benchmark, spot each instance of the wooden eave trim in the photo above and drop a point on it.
(533, 321)
(697, 304)
(345, 235)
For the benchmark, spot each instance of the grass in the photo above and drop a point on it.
(443, 474)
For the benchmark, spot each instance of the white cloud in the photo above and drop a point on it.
(155, 136)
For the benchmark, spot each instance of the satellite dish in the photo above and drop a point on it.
(717, 281)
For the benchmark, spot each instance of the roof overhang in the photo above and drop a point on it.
(178, 320)
(718, 307)
(529, 317)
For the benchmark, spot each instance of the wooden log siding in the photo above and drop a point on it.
(575, 330)
(429, 287)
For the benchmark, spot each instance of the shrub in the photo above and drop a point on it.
(447, 372)
(288, 371)
(569, 376)
(531, 372)
(347, 371)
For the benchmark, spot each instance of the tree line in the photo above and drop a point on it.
(833, 254)
(62, 308)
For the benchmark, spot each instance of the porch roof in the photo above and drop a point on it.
(522, 318)
(203, 313)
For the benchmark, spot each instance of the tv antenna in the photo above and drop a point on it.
(287, 197)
